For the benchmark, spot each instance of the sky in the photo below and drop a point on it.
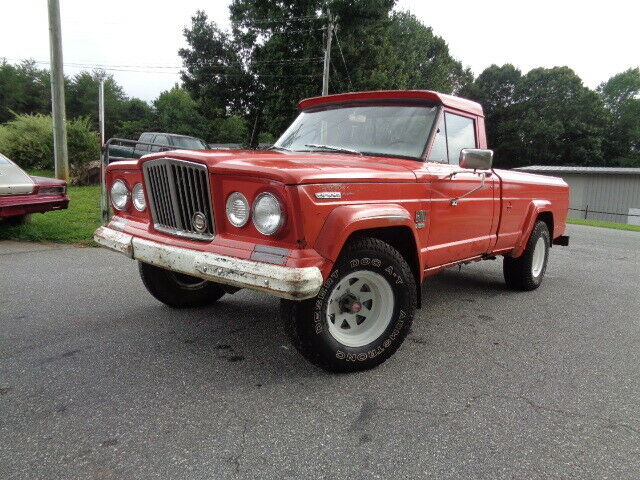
(597, 40)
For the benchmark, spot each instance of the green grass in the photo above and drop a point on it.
(597, 223)
(73, 225)
(41, 173)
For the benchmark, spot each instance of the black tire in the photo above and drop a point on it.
(307, 322)
(18, 220)
(519, 273)
(178, 290)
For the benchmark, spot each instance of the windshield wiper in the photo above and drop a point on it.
(333, 148)
(273, 147)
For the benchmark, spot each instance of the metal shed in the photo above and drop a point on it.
(611, 194)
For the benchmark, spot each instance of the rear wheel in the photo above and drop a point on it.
(177, 289)
(362, 313)
(527, 271)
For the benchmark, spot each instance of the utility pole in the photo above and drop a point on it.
(57, 93)
(104, 204)
(327, 54)
(101, 110)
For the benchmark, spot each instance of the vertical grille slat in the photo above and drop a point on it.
(187, 182)
(183, 200)
(164, 191)
(178, 189)
(203, 186)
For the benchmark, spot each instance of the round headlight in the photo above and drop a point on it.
(137, 194)
(120, 195)
(237, 209)
(268, 215)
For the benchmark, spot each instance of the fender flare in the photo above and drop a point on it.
(536, 207)
(347, 219)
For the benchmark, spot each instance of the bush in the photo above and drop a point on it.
(28, 141)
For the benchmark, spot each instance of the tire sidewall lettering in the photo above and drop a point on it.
(398, 321)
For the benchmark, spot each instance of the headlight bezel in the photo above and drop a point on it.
(138, 187)
(254, 210)
(127, 195)
(243, 198)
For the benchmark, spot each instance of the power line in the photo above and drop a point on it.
(107, 66)
(266, 21)
(179, 70)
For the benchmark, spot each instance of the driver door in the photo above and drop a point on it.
(462, 229)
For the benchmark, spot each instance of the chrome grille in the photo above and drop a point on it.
(177, 191)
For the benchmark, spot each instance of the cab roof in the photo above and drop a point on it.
(457, 103)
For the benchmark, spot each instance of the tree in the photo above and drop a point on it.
(414, 58)
(560, 120)
(544, 117)
(140, 117)
(177, 113)
(621, 96)
(213, 72)
(24, 88)
(495, 89)
(82, 99)
(272, 57)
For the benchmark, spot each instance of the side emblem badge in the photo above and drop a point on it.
(199, 222)
(326, 195)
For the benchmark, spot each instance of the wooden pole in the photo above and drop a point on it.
(58, 111)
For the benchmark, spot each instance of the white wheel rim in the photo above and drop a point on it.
(538, 257)
(359, 308)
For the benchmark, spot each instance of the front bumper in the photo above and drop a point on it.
(284, 282)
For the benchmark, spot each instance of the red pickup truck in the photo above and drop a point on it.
(361, 199)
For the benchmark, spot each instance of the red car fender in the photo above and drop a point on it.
(347, 219)
(536, 207)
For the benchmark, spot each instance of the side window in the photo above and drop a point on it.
(460, 134)
(145, 137)
(162, 139)
(439, 148)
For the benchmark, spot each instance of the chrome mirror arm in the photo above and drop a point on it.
(483, 175)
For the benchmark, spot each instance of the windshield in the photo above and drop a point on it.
(4, 160)
(189, 142)
(389, 130)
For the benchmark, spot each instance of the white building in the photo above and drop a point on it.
(610, 194)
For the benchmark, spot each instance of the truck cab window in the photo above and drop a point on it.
(439, 149)
(460, 134)
(145, 137)
(162, 139)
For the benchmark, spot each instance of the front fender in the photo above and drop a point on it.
(536, 207)
(345, 220)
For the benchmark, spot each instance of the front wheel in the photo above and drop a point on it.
(178, 290)
(362, 313)
(527, 271)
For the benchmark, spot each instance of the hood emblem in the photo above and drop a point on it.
(324, 195)
(199, 222)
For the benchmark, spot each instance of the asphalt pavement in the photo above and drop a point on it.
(98, 380)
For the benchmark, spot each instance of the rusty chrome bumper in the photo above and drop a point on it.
(284, 282)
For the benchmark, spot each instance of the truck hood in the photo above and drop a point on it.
(297, 168)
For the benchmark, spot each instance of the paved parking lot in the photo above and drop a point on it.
(98, 380)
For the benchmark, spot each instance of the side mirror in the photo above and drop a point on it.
(476, 158)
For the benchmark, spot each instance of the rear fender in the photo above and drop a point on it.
(536, 207)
